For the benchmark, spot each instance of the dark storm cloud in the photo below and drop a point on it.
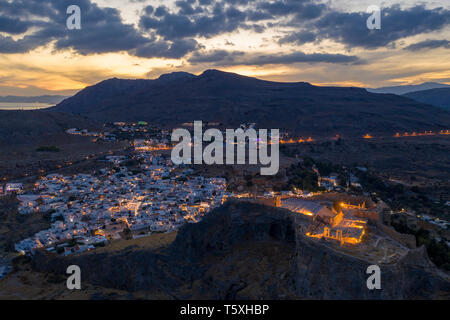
(254, 15)
(216, 56)
(301, 9)
(313, 21)
(226, 58)
(297, 57)
(280, 8)
(175, 25)
(25, 9)
(102, 30)
(13, 25)
(163, 49)
(211, 18)
(429, 44)
(149, 9)
(8, 45)
(350, 28)
(299, 38)
(170, 31)
(187, 8)
(180, 48)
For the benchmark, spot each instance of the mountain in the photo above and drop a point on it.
(248, 251)
(401, 90)
(232, 99)
(38, 99)
(174, 76)
(436, 97)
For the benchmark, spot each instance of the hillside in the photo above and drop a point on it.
(436, 97)
(232, 99)
(27, 127)
(248, 251)
(402, 90)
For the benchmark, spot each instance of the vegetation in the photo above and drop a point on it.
(399, 196)
(438, 251)
(326, 168)
(392, 193)
(302, 176)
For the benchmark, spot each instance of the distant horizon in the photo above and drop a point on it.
(23, 106)
(75, 91)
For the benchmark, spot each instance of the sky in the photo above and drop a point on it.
(324, 42)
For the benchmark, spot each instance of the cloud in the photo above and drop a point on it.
(227, 58)
(13, 25)
(429, 44)
(211, 18)
(216, 56)
(301, 9)
(174, 31)
(103, 30)
(349, 28)
(9, 45)
(210, 22)
(186, 7)
(164, 49)
(312, 21)
(299, 38)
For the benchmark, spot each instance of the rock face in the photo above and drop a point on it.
(330, 275)
(248, 251)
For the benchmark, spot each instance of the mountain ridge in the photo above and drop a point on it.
(233, 99)
(439, 97)
(402, 90)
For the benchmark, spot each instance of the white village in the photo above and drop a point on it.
(90, 210)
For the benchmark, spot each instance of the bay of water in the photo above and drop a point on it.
(23, 106)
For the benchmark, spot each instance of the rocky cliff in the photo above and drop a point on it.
(248, 251)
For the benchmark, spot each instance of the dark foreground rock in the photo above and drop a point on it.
(248, 251)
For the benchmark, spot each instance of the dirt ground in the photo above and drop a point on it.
(24, 283)
(18, 161)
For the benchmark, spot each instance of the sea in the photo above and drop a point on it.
(23, 105)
